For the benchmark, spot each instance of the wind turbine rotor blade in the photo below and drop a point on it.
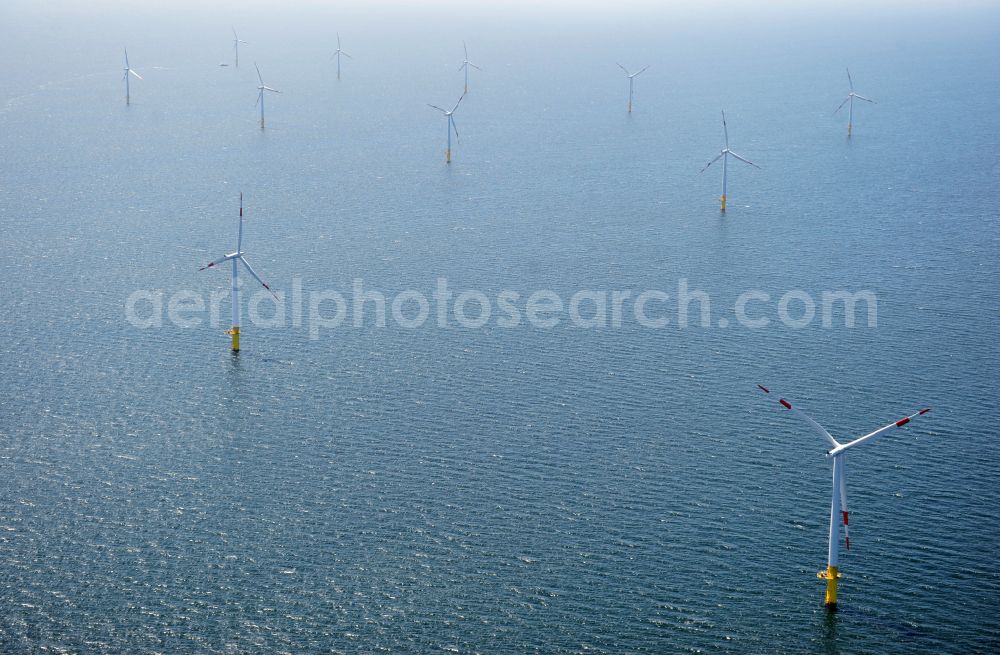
(338, 41)
(717, 158)
(842, 104)
(258, 73)
(217, 262)
(346, 55)
(443, 111)
(843, 500)
(849, 80)
(623, 68)
(255, 276)
(451, 120)
(457, 103)
(260, 95)
(805, 417)
(725, 129)
(466, 48)
(861, 97)
(745, 161)
(474, 66)
(877, 433)
(267, 88)
(640, 72)
(134, 73)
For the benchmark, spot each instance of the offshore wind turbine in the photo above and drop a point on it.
(838, 499)
(236, 46)
(631, 80)
(237, 258)
(450, 115)
(337, 53)
(849, 100)
(724, 155)
(260, 94)
(465, 67)
(128, 71)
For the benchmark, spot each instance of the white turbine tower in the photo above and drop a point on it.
(724, 155)
(236, 46)
(237, 258)
(260, 94)
(129, 71)
(450, 115)
(465, 67)
(337, 53)
(631, 79)
(838, 500)
(849, 101)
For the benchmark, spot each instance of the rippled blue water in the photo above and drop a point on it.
(496, 490)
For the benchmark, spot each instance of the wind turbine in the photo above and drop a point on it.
(838, 500)
(236, 46)
(237, 257)
(724, 155)
(465, 66)
(849, 100)
(450, 115)
(337, 53)
(128, 71)
(260, 94)
(631, 79)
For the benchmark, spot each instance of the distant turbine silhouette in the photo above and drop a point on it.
(465, 66)
(128, 71)
(236, 46)
(237, 257)
(450, 115)
(337, 53)
(724, 155)
(849, 100)
(631, 78)
(260, 95)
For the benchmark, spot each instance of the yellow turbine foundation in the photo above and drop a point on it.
(848, 129)
(831, 575)
(235, 333)
(447, 156)
(722, 201)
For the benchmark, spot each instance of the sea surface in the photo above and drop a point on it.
(497, 490)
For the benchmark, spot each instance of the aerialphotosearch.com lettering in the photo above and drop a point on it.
(321, 310)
